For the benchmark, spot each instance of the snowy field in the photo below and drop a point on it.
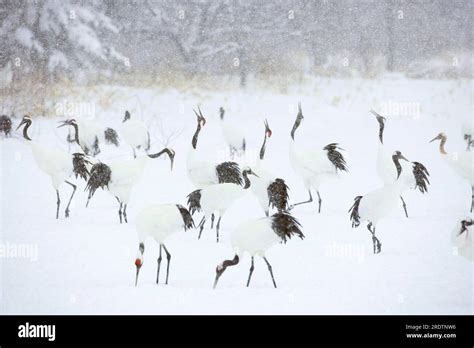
(85, 264)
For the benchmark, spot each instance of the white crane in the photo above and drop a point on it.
(463, 238)
(58, 164)
(315, 166)
(86, 134)
(377, 204)
(120, 176)
(203, 173)
(159, 222)
(460, 162)
(135, 134)
(233, 134)
(269, 190)
(256, 237)
(410, 178)
(5, 125)
(217, 198)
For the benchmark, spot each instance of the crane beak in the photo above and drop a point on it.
(218, 275)
(435, 138)
(62, 124)
(21, 124)
(404, 158)
(136, 277)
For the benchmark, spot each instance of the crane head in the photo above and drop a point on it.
(70, 122)
(25, 120)
(139, 260)
(200, 118)
(268, 131)
(440, 136)
(127, 116)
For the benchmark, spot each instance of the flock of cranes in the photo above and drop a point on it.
(218, 186)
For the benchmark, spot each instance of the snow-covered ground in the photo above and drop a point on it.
(85, 264)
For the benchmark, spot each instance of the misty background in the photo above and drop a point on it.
(216, 44)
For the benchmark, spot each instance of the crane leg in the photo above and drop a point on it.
(134, 153)
(270, 270)
(58, 202)
(404, 206)
(125, 213)
(168, 258)
(74, 187)
(202, 223)
(212, 221)
(159, 264)
(120, 211)
(250, 273)
(375, 241)
(319, 202)
(304, 202)
(218, 226)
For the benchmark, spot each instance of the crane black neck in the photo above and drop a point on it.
(381, 128)
(158, 154)
(295, 126)
(396, 161)
(262, 149)
(245, 174)
(25, 130)
(196, 135)
(76, 133)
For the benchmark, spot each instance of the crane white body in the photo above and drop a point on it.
(314, 166)
(56, 163)
(120, 177)
(90, 132)
(203, 173)
(159, 222)
(255, 237)
(233, 134)
(378, 204)
(217, 198)
(388, 173)
(135, 133)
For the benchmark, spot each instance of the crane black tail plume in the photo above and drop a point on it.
(354, 210)
(187, 218)
(100, 176)
(194, 201)
(336, 157)
(286, 226)
(229, 172)
(111, 137)
(278, 195)
(421, 177)
(80, 162)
